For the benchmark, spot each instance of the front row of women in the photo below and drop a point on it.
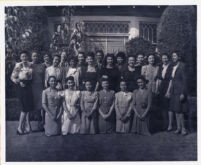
(91, 112)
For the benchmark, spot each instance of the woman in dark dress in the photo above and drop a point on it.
(99, 59)
(177, 91)
(22, 77)
(163, 79)
(121, 59)
(38, 84)
(91, 72)
(130, 74)
(111, 71)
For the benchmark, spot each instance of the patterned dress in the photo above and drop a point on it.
(88, 102)
(53, 101)
(106, 101)
(71, 126)
(150, 73)
(141, 100)
(123, 103)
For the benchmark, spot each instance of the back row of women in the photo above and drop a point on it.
(92, 94)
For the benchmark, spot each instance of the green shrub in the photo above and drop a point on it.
(177, 31)
(139, 45)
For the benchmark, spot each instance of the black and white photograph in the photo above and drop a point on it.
(100, 83)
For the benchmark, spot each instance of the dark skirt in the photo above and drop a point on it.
(178, 106)
(25, 97)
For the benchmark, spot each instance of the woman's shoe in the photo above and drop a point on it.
(178, 131)
(169, 129)
(184, 132)
(19, 133)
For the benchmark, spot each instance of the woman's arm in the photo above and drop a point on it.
(95, 105)
(14, 76)
(148, 106)
(44, 105)
(117, 108)
(66, 109)
(133, 105)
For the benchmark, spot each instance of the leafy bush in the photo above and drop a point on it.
(177, 31)
(139, 45)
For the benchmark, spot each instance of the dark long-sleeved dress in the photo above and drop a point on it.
(114, 77)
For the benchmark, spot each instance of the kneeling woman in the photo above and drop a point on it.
(88, 103)
(71, 117)
(106, 108)
(51, 102)
(123, 107)
(142, 98)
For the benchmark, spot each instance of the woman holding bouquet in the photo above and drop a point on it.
(22, 77)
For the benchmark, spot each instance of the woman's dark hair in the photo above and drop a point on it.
(72, 58)
(24, 52)
(165, 54)
(122, 80)
(90, 54)
(104, 78)
(105, 59)
(142, 78)
(177, 52)
(122, 55)
(70, 78)
(81, 53)
(34, 51)
(139, 53)
(49, 80)
(101, 52)
(56, 55)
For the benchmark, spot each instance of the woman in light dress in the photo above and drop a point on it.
(142, 99)
(55, 70)
(22, 77)
(88, 103)
(123, 107)
(70, 122)
(150, 72)
(51, 101)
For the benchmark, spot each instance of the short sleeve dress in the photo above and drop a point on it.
(123, 101)
(88, 101)
(53, 101)
(141, 99)
(106, 100)
(71, 126)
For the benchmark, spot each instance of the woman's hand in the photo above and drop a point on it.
(167, 95)
(22, 84)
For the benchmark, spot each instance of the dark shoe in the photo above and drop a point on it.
(19, 133)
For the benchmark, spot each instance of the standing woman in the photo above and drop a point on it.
(74, 71)
(121, 59)
(130, 74)
(88, 103)
(178, 92)
(150, 72)
(51, 102)
(71, 117)
(123, 107)
(164, 76)
(56, 71)
(99, 59)
(38, 81)
(106, 121)
(22, 77)
(142, 98)
(91, 72)
(111, 71)
(47, 61)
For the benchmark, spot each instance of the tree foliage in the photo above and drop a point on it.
(139, 45)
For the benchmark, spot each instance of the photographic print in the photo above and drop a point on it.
(101, 83)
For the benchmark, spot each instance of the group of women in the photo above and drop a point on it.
(93, 93)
